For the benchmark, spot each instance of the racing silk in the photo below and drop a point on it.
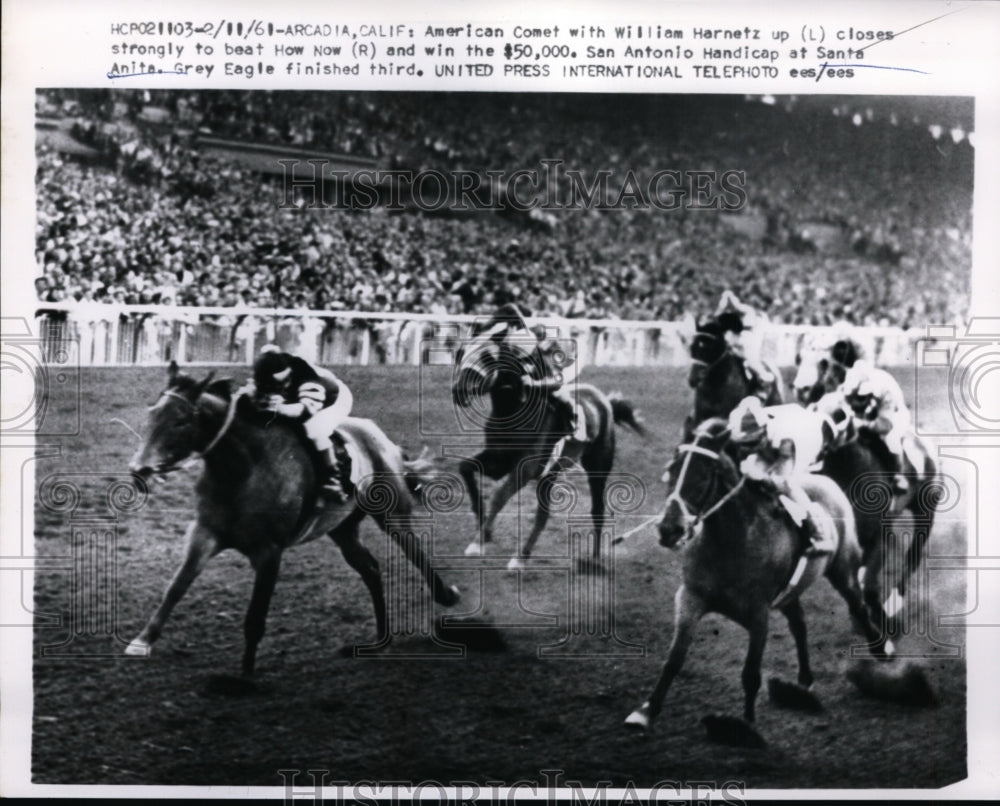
(747, 341)
(791, 441)
(326, 401)
(886, 413)
(314, 387)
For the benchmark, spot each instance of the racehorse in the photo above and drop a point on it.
(820, 369)
(522, 428)
(740, 550)
(719, 377)
(859, 462)
(257, 495)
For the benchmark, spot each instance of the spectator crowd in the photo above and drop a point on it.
(868, 223)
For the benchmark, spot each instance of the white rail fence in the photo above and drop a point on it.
(111, 335)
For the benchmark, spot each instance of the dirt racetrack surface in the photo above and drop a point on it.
(549, 690)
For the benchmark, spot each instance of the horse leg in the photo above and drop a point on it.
(260, 600)
(597, 482)
(514, 481)
(541, 520)
(362, 561)
(796, 618)
(688, 609)
(923, 510)
(202, 545)
(751, 666)
(842, 573)
(469, 469)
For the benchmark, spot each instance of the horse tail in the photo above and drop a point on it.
(625, 414)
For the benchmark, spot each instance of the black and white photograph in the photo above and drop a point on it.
(503, 443)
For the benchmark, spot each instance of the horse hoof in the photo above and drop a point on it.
(138, 649)
(515, 564)
(639, 718)
(474, 549)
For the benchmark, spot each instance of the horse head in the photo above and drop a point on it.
(821, 368)
(697, 479)
(178, 425)
(708, 346)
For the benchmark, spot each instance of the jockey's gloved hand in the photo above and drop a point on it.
(293, 410)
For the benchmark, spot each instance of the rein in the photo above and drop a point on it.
(226, 423)
(695, 520)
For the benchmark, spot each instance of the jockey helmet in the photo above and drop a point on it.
(845, 352)
(272, 370)
(748, 422)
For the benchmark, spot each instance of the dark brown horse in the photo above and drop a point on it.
(257, 495)
(860, 464)
(719, 377)
(522, 428)
(739, 553)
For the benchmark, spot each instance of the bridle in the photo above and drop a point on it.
(693, 521)
(193, 408)
(709, 366)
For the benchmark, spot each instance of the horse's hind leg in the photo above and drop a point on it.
(347, 538)
(688, 609)
(597, 481)
(260, 601)
(842, 573)
(797, 627)
(202, 545)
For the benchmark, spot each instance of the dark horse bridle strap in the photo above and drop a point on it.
(226, 423)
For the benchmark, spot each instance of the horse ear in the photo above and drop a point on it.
(172, 371)
(203, 385)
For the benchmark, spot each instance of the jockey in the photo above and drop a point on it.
(877, 403)
(292, 387)
(743, 328)
(552, 372)
(779, 443)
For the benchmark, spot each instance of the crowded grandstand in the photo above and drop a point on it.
(857, 210)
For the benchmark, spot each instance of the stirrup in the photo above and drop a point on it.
(900, 484)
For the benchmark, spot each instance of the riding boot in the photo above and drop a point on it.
(331, 488)
(900, 484)
(811, 564)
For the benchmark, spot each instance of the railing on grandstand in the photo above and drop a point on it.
(112, 335)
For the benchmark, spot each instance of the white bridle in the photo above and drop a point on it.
(693, 522)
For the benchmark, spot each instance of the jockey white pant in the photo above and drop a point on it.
(320, 427)
(749, 345)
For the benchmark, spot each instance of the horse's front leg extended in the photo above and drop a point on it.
(757, 627)
(202, 545)
(688, 609)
